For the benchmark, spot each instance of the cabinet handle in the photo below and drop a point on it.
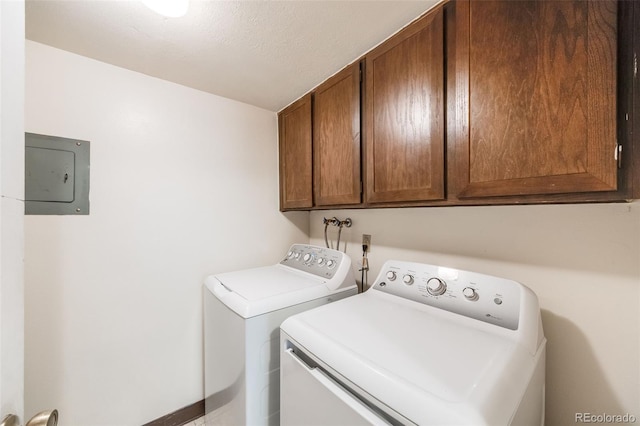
(618, 155)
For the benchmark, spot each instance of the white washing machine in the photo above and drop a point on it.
(243, 311)
(424, 345)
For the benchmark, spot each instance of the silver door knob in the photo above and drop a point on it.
(10, 420)
(44, 418)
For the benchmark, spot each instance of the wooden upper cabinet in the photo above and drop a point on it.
(294, 127)
(541, 96)
(336, 139)
(404, 114)
(529, 100)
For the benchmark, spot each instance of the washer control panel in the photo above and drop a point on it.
(483, 297)
(320, 261)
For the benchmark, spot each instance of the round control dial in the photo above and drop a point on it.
(470, 293)
(331, 263)
(307, 257)
(321, 261)
(436, 287)
(391, 276)
(407, 279)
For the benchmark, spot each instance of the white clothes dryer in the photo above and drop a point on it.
(243, 311)
(425, 345)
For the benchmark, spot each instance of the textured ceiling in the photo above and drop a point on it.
(264, 53)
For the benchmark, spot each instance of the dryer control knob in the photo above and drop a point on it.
(307, 257)
(331, 263)
(321, 261)
(407, 279)
(436, 286)
(470, 293)
(391, 276)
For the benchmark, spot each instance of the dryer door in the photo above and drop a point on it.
(324, 400)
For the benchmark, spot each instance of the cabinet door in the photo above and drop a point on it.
(336, 139)
(294, 127)
(542, 96)
(404, 115)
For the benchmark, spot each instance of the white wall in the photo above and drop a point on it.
(11, 208)
(183, 184)
(583, 261)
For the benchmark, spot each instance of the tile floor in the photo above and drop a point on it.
(219, 417)
(197, 422)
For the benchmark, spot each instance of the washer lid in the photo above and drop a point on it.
(269, 281)
(431, 366)
(257, 291)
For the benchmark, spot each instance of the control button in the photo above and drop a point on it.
(497, 301)
(309, 259)
(470, 293)
(407, 279)
(296, 255)
(321, 261)
(436, 287)
(290, 255)
(331, 263)
(391, 276)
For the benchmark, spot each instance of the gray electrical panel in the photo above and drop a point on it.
(56, 175)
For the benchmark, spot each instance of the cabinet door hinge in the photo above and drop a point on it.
(618, 155)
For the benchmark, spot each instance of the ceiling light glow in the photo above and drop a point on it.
(168, 8)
